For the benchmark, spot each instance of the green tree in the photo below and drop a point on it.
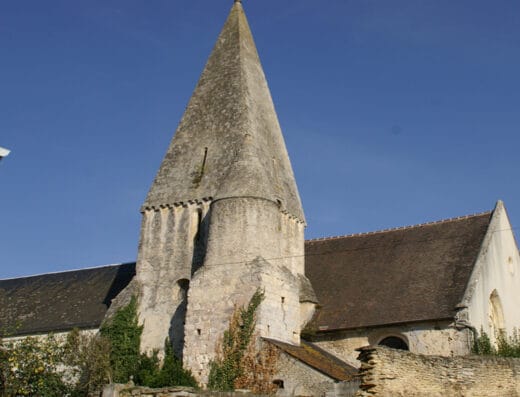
(33, 367)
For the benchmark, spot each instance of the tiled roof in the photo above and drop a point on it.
(317, 358)
(60, 301)
(395, 276)
(401, 275)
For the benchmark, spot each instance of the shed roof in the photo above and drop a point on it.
(317, 358)
(409, 274)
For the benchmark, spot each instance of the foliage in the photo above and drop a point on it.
(124, 334)
(171, 373)
(126, 361)
(82, 363)
(33, 367)
(229, 364)
(50, 366)
(506, 345)
(482, 344)
(88, 357)
(258, 369)
(509, 346)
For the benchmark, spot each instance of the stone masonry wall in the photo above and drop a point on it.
(431, 338)
(300, 379)
(168, 255)
(391, 373)
(245, 251)
(119, 390)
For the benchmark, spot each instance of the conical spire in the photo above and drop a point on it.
(229, 142)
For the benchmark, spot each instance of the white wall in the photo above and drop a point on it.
(497, 269)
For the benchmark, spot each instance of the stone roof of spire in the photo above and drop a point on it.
(229, 142)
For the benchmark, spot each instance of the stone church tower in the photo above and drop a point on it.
(223, 217)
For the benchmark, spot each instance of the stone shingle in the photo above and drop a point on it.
(229, 142)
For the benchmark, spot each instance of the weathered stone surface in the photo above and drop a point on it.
(119, 390)
(246, 251)
(432, 338)
(224, 196)
(301, 380)
(171, 249)
(229, 142)
(395, 373)
(491, 300)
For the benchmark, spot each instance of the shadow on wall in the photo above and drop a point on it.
(125, 274)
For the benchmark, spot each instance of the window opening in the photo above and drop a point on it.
(394, 342)
(279, 383)
(496, 314)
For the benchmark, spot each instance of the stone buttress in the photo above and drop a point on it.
(223, 217)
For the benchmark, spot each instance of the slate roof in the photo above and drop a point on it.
(410, 274)
(60, 301)
(317, 358)
(404, 275)
(229, 142)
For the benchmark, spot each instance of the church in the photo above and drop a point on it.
(223, 218)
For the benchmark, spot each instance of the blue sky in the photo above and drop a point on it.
(394, 113)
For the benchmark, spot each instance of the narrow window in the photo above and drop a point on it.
(496, 314)
(283, 300)
(199, 331)
(204, 159)
(203, 166)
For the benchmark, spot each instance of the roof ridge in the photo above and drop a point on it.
(407, 227)
(67, 271)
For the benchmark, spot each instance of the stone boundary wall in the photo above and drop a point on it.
(391, 373)
(118, 390)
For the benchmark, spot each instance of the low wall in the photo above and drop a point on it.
(391, 373)
(117, 390)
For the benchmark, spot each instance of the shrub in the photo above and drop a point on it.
(88, 357)
(33, 367)
(171, 373)
(506, 345)
(237, 363)
(82, 363)
(124, 334)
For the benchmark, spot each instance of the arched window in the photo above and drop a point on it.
(496, 314)
(394, 342)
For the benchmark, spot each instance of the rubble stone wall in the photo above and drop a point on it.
(118, 390)
(392, 373)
